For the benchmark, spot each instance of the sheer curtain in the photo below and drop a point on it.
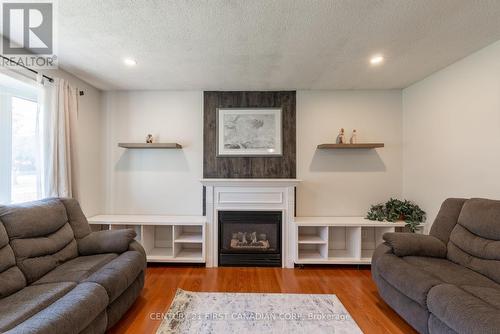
(57, 100)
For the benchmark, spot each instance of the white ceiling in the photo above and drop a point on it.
(269, 44)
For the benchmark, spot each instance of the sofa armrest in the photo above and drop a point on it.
(109, 241)
(411, 244)
(137, 247)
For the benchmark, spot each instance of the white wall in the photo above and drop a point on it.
(347, 182)
(154, 181)
(452, 132)
(87, 134)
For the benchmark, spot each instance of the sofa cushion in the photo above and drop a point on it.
(475, 245)
(449, 272)
(436, 326)
(40, 236)
(33, 219)
(11, 278)
(446, 218)
(117, 275)
(475, 241)
(466, 310)
(76, 218)
(406, 278)
(481, 217)
(72, 313)
(77, 269)
(415, 276)
(23, 304)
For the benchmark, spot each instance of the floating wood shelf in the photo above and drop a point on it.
(346, 146)
(153, 145)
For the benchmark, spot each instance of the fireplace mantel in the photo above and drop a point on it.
(250, 195)
(251, 182)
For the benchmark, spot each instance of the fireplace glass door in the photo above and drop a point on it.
(250, 238)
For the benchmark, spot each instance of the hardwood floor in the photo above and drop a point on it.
(352, 286)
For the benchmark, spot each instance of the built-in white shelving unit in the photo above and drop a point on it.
(165, 238)
(338, 240)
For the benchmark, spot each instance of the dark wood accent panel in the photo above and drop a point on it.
(249, 167)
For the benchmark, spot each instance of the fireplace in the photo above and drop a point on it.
(250, 238)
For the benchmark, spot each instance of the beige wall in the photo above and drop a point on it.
(347, 182)
(452, 132)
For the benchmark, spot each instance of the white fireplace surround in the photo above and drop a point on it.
(250, 195)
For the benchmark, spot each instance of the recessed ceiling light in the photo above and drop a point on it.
(377, 60)
(129, 62)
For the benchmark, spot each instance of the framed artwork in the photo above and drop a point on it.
(247, 132)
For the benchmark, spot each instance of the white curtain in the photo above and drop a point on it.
(57, 101)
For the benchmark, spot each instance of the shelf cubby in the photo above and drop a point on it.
(371, 237)
(188, 234)
(188, 252)
(343, 243)
(313, 252)
(313, 235)
(157, 242)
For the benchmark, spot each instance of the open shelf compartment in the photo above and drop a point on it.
(371, 237)
(157, 242)
(188, 234)
(343, 243)
(313, 252)
(312, 234)
(188, 252)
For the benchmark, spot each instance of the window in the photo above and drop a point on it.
(19, 145)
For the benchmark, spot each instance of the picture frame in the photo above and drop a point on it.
(249, 132)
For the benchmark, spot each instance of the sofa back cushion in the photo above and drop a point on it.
(40, 235)
(475, 240)
(447, 218)
(11, 278)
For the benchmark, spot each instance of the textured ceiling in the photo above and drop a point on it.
(269, 44)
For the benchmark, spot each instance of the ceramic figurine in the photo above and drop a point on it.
(341, 137)
(149, 139)
(354, 137)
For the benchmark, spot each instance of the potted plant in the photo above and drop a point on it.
(395, 209)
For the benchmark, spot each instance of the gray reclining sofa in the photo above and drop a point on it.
(56, 276)
(448, 281)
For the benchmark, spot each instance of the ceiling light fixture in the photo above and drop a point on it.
(377, 60)
(129, 62)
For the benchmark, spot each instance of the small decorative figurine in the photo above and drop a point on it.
(354, 137)
(341, 137)
(149, 139)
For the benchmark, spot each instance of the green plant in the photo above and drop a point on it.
(395, 209)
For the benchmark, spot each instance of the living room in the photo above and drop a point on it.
(242, 166)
